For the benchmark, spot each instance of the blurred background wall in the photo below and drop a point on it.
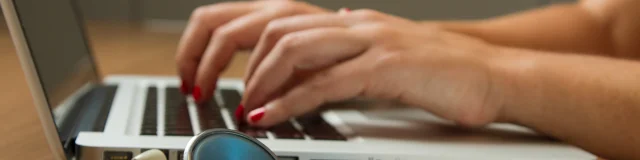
(415, 9)
(174, 13)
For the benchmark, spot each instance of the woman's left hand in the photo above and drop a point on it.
(369, 54)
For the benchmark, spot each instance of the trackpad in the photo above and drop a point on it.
(416, 125)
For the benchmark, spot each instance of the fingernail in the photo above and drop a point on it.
(256, 115)
(196, 93)
(183, 88)
(239, 113)
(344, 10)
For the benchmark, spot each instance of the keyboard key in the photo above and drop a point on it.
(179, 132)
(149, 126)
(231, 98)
(177, 127)
(146, 131)
(315, 126)
(174, 97)
(253, 131)
(286, 131)
(210, 116)
(150, 118)
(177, 120)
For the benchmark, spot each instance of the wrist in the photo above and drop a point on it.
(511, 71)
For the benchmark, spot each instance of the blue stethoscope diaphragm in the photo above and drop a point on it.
(225, 144)
(217, 144)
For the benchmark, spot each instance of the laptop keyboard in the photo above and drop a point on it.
(178, 122)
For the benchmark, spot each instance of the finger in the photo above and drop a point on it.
(195, 38)
(304, 50)
(337, 83)
(240, 33)
(278, 28)
(344, 10)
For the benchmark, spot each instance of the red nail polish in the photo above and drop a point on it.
(257, 115)
(183, 88)
(347, 10)
(196, 93)
(240, 113)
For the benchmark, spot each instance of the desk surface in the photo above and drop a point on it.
(119, 48)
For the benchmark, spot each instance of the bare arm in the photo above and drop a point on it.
(592, 102)
(589, 101)
(604, 27)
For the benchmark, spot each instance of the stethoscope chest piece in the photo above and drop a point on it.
(224, 144)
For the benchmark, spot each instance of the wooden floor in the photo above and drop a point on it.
(120, 48)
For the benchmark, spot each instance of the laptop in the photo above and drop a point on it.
(86, 116)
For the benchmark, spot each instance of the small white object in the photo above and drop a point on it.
(153, 154)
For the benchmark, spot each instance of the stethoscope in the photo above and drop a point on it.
(218, 144)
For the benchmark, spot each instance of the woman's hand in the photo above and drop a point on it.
(215, 32)
(303, 61)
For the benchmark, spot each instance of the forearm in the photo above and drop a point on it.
(592, 102)
(560, 28)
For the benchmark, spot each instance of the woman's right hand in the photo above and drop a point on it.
(215, 32)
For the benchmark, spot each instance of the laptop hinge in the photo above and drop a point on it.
(88, 113)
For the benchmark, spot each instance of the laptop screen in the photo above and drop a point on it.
(57, 45)
(54, 35)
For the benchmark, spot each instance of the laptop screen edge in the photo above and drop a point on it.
(36, 88)
(41, 99)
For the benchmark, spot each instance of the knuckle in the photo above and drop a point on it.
(369, 14)
(200, 13)
(203, 13)
(288, 44)
(284, 6)
(292, 7)
(225, 33)
(274, 30)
